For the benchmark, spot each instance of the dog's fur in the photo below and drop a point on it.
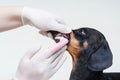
(91, 55)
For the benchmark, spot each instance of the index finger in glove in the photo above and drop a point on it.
(53, 50)
(32, 52)
(57, 26)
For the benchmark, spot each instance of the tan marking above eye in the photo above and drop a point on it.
(85, 44)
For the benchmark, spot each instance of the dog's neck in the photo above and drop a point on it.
(81, 72)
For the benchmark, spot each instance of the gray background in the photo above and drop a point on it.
(104, 15)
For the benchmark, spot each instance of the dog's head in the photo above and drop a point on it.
(89, 46)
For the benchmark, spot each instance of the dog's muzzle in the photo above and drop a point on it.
(58, 34)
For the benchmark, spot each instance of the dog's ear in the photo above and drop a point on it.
(101, 58)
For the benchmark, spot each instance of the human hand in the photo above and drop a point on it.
(43, 20)
(42, 63)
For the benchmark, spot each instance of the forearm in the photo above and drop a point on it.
(10, 18)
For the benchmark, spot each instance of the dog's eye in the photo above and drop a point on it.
(80, 32)
(83, 32)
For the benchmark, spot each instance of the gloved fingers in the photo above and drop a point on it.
(41, 55)
(57, 47)
(58, 62)
(60, 20)
(32, 52)
(48, 54)
(45, 33)
(56, 55)
(61, 62)
(60, 27)
(63, 41)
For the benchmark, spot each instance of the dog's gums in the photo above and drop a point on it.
(58, 34)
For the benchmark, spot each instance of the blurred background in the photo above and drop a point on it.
(103, 15)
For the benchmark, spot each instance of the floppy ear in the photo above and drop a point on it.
(101, 58)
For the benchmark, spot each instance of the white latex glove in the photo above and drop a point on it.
(42, 63)
(43, 20)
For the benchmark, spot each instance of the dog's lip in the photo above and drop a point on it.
(59, 34)
(67, 36)
(62, 35)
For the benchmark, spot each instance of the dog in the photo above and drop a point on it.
(91, 54)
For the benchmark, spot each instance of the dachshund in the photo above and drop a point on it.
(91, 54)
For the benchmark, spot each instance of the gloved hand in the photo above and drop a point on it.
(42, 63)
(43, 20)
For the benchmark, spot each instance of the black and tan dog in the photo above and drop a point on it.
(90, 53)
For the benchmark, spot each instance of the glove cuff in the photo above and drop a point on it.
(24, 16)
